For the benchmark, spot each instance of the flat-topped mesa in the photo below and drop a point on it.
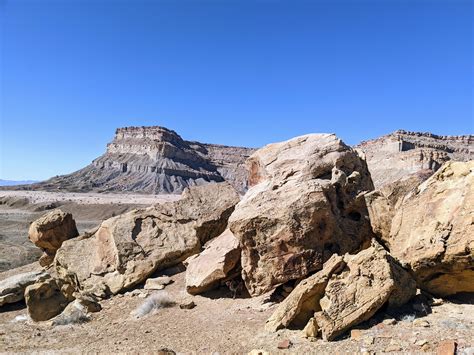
(144, 140)
(155, 160)
(401, 153)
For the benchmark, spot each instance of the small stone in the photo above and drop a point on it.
(311, 329)
(421, 323)
(421, 342)
(142, 295)
(389, 321)
(284, 344)
(287, 288)
(447, 347)
(187, 305)
(356, 334)
(157, 283)
(437, 301)
(258, 352)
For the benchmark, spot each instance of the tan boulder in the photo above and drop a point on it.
(213, 264)
(370, 279)
(432, 231)
(157, 283)
(45, 300)
(303, 301)
(50, 231)
(128, 248)
(305, 204)
(382, 204)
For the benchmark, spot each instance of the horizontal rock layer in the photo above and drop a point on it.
(401, 153)
(155, 160)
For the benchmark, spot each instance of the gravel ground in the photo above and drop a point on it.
(221, 324)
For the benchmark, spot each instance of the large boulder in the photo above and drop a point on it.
(432, 232)
(45, 300)
(347, 291)
(305, 204)
(50, 231)
(303, 301)
(207, 269)
(128, 248)
(382, 204)
(12, 289)
(370, 280)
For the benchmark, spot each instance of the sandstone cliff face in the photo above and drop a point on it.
(155, 160)
(402, 153)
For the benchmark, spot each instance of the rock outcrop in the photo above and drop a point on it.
(305, 204)
(13, 288)
(432, 231)
(347, 291)
(301, 304)
(399, 154)
(370, 280)
(155, 160)
(382, 204)
(128, 248)
(213, 264)
(50, 231)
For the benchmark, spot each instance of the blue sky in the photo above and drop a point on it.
(232, 72)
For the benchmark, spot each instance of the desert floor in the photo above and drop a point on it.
(221, 324)
(19, 208)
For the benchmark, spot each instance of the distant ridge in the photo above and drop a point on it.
(154, 160)
(402, 153)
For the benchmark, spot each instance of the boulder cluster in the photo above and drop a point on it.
(311, 223)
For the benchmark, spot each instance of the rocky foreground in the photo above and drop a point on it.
(310, 255)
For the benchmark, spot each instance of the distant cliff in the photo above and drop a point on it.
(401, 153)
(155, 160)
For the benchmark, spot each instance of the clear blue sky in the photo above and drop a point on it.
(233, 72)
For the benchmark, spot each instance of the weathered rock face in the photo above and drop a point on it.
(303, 301)
(205, 270)
(13, 288)
(155, 160)
(50, 231)
(347, 291)
(396, 155)
(432, 231)
(371, 279)
(45, 300)
(305, 204)
(382, 204)
(128, 248)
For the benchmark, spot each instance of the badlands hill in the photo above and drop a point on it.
(157, 160)
(154, 160)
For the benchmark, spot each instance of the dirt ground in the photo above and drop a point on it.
(220, 324)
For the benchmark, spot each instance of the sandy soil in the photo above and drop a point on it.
(37, 197)
(221, 324)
